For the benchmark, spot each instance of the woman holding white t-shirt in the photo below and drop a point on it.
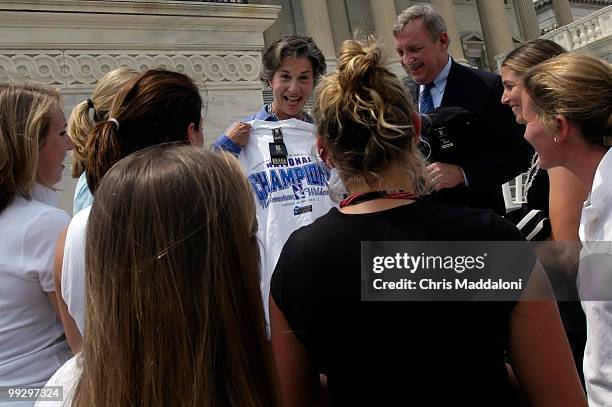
(294, 193)
(33, 146)
(291, 67)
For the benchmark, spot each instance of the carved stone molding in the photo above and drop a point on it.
(81, 69)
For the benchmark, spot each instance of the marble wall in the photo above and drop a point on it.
(71, 44)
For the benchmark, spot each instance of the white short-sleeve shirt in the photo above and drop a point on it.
(32, 341)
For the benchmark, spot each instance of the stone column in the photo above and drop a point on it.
(318, 26)
(446, 9)
(341, 29)
(563, 12)
(495, 29)
(273, 32)
(384, 14)
(528, 19)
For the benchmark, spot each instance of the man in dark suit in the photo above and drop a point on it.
(474, 177)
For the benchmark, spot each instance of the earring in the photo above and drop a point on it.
(325, 158)
(556, 140)
(323, 154)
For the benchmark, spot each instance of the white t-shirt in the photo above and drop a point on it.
(66, 377)
(32, 341)
(595, 284)
(73, 268)
(286, 197)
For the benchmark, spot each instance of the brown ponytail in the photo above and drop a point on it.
(154, 108)
(103, 150)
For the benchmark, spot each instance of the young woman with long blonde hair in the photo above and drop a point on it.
(33, 146)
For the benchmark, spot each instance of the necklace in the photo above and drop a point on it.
(369, 196)
(305, 117)
(531, 174)
(271, 112)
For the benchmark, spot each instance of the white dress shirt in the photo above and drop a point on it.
(595, 285)
(439, 84)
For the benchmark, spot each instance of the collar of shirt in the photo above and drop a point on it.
(263, 114)
(45, 194)
(598, 199)
(439, 84)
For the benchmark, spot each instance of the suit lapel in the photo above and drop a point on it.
(452, 89)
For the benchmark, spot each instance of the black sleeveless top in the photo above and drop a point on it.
(394, 353)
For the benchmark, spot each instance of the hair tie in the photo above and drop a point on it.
(90, 104)
(111, 119)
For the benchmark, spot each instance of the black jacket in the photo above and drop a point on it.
(498, 153)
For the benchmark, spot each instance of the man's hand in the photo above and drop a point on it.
(444, 175)
(239, 133)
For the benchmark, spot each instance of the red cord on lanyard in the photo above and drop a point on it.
(368, 196)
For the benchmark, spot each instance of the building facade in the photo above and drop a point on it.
(71, 44)
(472, 23)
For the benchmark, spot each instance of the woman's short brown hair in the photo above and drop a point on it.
(293, 46)
(531, 53)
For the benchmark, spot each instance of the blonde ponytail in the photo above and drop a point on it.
(82, 120)
(79, 125)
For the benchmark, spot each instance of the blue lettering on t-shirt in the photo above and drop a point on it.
(298, 175)
(264, 183)
(260, 184)
(276, 184)
(285, 175)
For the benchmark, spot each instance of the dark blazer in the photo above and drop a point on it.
(495, 156)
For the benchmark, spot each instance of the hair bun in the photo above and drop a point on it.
(358, 63)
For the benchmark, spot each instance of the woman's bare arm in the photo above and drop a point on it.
(70, 327)
(540, 354)
(298, 378)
